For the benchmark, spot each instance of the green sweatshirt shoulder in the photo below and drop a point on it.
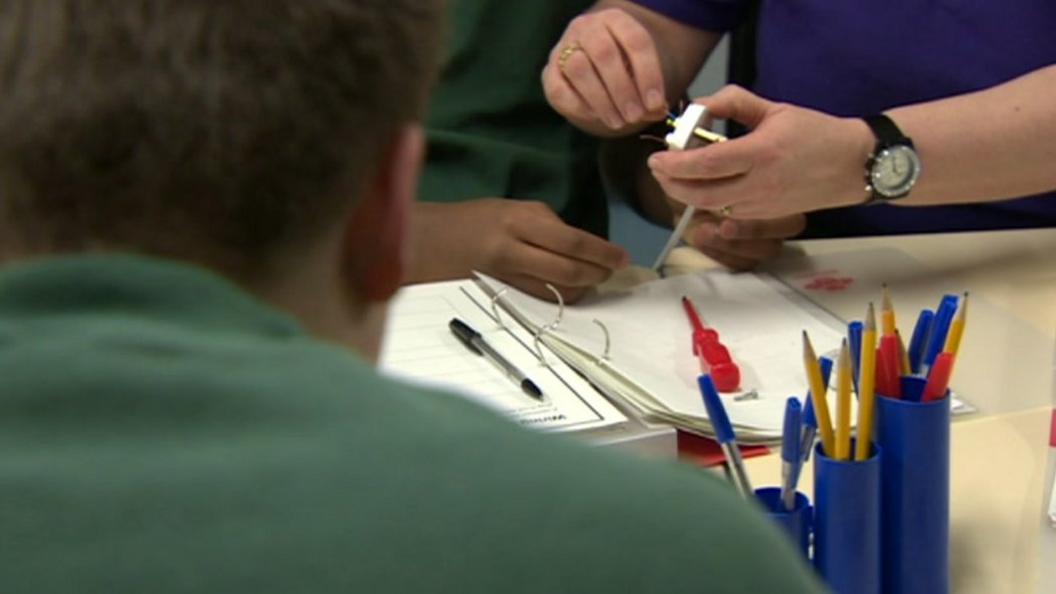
(163, 431)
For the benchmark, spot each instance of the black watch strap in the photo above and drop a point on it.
(886, 132)
(888, 136)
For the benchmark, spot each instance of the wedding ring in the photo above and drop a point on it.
(726, 211)
(566, 53)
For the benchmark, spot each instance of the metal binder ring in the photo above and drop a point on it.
(608, 340)
(537, 343)
(560, 308)
(495, 307)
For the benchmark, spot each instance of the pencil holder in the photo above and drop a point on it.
(847, 522)
(915, 483)
(796, 523)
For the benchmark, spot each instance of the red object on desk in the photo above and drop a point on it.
(938, 378)
(888, 368)
(830, 282)
(706, 452)
(714, 357)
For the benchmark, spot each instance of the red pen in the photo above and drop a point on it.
(714, 357)
(938, 377)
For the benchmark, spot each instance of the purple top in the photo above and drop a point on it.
(860, 58)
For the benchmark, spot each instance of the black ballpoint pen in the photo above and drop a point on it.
(476, 343)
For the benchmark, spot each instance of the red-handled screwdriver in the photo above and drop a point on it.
(714, 357)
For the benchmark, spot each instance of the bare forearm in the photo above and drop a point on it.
(623, 163)
(651, 199)
(992, 144)
(986, 146)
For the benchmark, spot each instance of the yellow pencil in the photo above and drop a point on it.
(818, 391)
(887, 313)
(907, 369)
(953, 341)
(866, 387)
(843, 404)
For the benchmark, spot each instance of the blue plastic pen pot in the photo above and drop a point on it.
(847, 522)
(795, 522)
(915, 498)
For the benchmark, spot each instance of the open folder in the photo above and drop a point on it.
(649, 364)
(419, 346)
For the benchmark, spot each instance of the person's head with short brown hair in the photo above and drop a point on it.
(243, 135)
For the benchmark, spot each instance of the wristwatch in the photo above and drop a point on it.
(894, 166)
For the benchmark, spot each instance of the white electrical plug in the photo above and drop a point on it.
(682, 137)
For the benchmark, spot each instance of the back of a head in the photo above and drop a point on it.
(209, 130)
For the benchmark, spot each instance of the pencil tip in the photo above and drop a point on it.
(870, 318)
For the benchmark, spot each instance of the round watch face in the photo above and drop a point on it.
(894, 171)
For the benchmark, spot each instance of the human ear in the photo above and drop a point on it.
(375, 246)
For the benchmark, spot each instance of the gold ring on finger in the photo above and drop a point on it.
(566, 53)
(726, 211)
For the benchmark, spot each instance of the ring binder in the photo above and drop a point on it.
(639, 365)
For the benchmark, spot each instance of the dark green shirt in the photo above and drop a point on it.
(492, 132)
(162, 431)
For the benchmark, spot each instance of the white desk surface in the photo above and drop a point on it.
(1005, 369)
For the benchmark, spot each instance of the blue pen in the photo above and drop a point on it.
(810, 422)
(724, 434)
(790, 456)
(940, 326)
(854, 341)
(919, 340)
